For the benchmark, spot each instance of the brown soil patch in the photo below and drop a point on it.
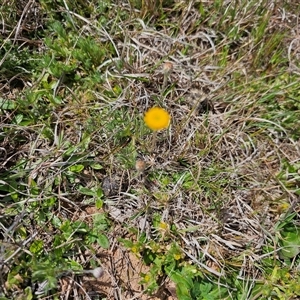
(122, 276)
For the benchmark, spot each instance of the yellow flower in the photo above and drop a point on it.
(163, 225)
(177, 256)
(135, 249)
(157, 118)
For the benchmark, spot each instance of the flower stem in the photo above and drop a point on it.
(153, 142)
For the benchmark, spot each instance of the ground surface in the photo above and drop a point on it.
(207, 208)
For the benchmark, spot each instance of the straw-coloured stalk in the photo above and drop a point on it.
(167, 69)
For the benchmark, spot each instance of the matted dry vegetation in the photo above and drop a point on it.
(217, 181)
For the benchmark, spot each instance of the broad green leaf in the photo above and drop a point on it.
(56, 221)
(86, 191)
(76, 168)
(96, 166)
(18, 119)
(103, 241)
(74, 265)
(183, 285)
(100, 222)
(36, 246)
(291, 244)
(7, 104)
(28, 294)
(182, 292)
(99, 203)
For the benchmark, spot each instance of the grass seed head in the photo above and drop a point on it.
(167, 67)
(140, 165)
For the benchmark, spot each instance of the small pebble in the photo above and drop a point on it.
(97, 272)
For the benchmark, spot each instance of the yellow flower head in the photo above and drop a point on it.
(157, 118)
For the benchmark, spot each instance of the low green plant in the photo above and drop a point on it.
(41, 263)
